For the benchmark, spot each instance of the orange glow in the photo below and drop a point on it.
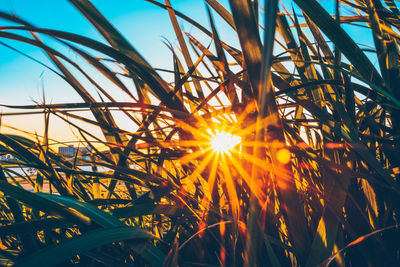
(283, 156)
(281, 184)
(223, 256)
(223, 142)
(334, 145)
(202, 227)
(222, 228)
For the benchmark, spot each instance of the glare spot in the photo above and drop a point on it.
(224, 142)
(283, 156)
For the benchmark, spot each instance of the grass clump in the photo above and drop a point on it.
(311, 179)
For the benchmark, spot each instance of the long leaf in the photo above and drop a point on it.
(61, 252)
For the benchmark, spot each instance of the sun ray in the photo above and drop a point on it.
(186, 143)
(230, 186)
(185, 159)
(211, 178)
(249, 157)
(282, 174)
(223, 142)
(199, 169)
(195, 131)
(246, 177)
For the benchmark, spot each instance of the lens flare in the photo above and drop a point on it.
(223, 142)
(283, 156)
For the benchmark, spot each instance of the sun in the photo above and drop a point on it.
(223, 142)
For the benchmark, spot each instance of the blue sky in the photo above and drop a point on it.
(142, 23)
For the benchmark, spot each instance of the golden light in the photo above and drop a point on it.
(283, 156)
(223, 142)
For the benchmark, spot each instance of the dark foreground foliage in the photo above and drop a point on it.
(314, 180)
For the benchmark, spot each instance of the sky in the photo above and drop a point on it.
(23, 81)
(142, 23)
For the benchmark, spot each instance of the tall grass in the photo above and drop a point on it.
(313, 181)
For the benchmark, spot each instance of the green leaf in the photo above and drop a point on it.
(40, 203)
(96, 215)
(34, 226)
(142, 210)
(66, 249)
(342, 40)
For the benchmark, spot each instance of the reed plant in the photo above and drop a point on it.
(309, 177)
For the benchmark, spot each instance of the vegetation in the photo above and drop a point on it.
(312, 180)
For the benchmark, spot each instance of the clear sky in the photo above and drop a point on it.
(142, 23)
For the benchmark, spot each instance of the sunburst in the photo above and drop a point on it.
(223, 142)
(220, 156)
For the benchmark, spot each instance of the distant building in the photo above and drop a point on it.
(71, 151)
(66, 151)
(84, 152)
